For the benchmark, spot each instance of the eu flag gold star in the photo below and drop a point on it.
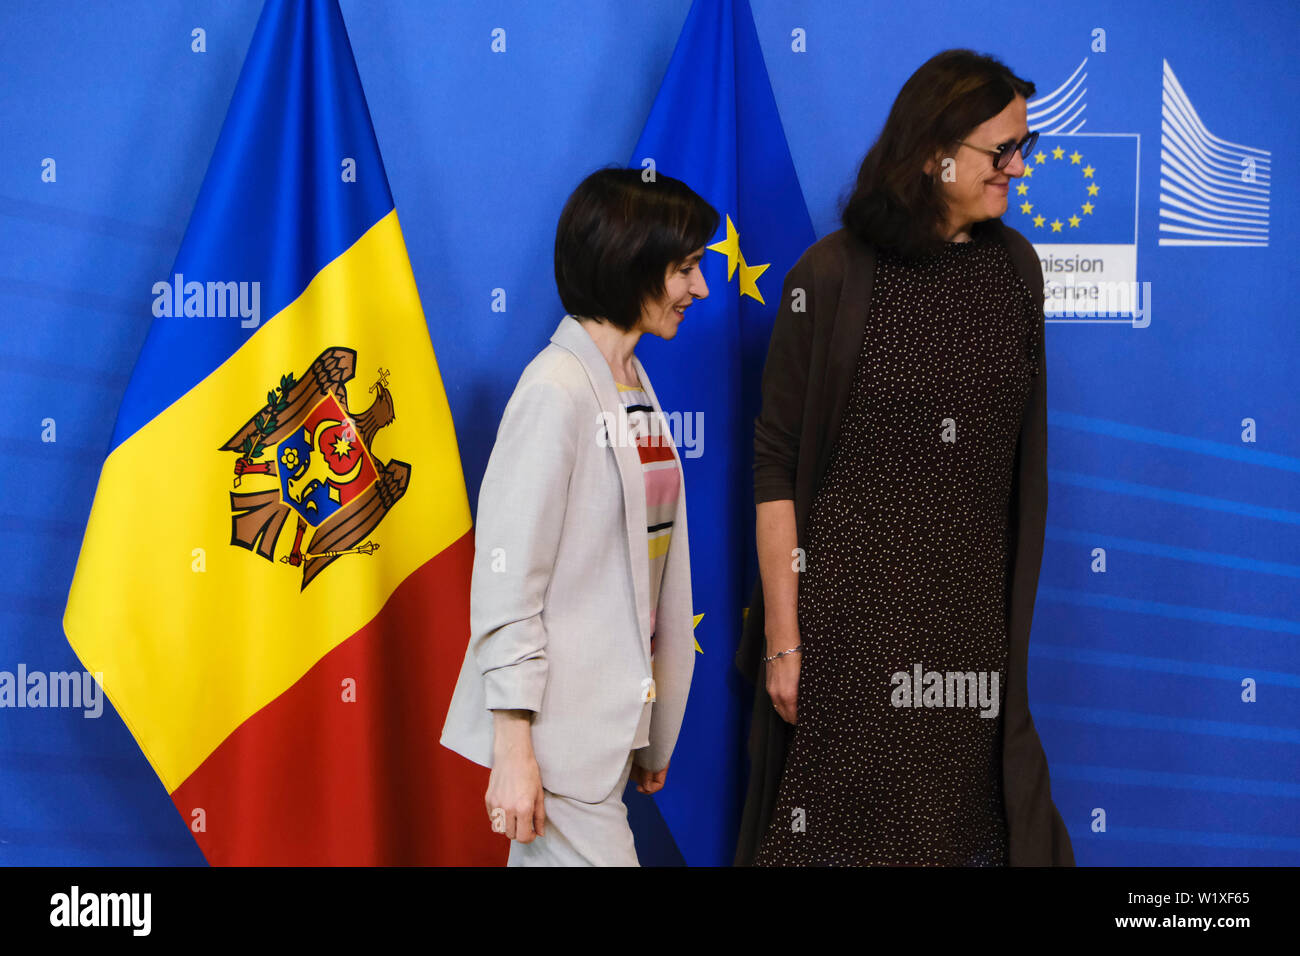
(730, 247)
(749, 279)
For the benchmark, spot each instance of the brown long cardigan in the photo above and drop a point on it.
(807, 379)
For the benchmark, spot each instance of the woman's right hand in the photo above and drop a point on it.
(783, 682)
(514, 792)
(779, 562)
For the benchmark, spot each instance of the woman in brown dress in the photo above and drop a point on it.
(887, 605)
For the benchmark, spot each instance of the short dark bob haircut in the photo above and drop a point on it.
(896, 205)
(616, 238)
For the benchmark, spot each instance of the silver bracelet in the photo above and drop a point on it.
(797, 647)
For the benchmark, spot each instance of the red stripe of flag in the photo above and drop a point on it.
(313, 780)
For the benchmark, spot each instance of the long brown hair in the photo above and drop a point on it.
(896, 205)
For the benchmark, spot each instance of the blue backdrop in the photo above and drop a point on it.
(1165, 676)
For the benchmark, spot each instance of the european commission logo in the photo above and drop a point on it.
(1078, 204)
(1213, 192)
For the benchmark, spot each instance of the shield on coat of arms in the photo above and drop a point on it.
(323, 465)
(320, 468)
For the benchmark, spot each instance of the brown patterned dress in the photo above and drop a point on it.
(907, 551)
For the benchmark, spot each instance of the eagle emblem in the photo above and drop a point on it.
(317, 463)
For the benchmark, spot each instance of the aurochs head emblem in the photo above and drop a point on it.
(317, 461)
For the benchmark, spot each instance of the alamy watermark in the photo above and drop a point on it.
(76, 908)
(1099, 298)
(79, 689)
(214, 300)
(923, 688)
(621, 429)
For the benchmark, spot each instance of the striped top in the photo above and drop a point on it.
(662, 486)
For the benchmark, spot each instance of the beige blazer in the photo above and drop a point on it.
(560, 595)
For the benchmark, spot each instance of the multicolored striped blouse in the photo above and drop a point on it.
(662, 486)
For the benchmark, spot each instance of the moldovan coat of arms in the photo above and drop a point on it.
(318, 467)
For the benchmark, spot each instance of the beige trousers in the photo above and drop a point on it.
(581, 834)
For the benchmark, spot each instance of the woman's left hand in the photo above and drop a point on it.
(649, 781)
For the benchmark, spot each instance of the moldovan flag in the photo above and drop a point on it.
(274, 580)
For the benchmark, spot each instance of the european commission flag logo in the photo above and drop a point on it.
(1077, 203)
(1078, 188)
(715, 126)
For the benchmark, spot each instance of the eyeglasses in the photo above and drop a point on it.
(1003, 153)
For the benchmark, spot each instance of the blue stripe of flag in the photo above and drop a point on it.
(273, 208)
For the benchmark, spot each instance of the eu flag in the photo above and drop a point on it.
(715, 126)
(1080, 188)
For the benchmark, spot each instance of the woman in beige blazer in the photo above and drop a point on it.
(581, 648)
